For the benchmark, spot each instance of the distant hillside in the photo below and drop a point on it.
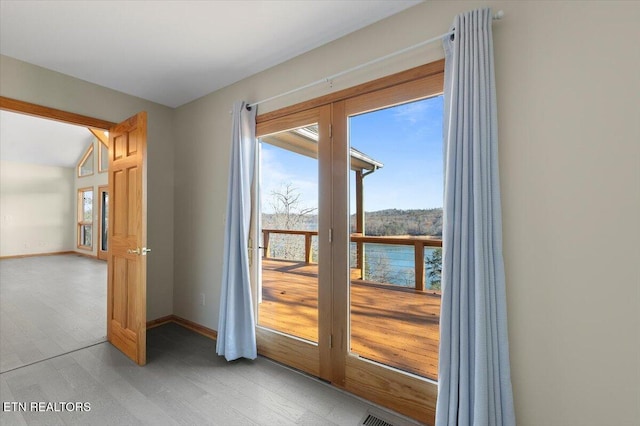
(378, 223)
(402, 222)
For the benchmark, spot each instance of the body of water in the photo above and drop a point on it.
(392, 264)
(384, 263)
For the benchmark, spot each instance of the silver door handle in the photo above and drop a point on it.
(139, 252)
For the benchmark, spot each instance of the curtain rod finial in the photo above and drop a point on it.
(499, 15)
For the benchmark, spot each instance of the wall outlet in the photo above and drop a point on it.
(202, 302)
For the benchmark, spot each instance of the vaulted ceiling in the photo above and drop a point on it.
(26, 139)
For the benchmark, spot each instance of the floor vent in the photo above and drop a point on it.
(371, 420)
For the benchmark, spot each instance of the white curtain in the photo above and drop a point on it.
(474, 374)
(236, 324)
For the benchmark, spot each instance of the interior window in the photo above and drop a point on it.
(85, 166)
(103, 157)
(85, 218)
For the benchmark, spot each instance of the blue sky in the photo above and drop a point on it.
(407, 139)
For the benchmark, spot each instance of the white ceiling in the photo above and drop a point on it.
(170, 52)
(173, 52)
(26, 139)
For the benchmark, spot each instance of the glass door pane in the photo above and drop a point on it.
(396, 189)
(104, 221)
(288, 297)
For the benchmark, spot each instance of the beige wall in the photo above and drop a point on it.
(91, 181)
(36, 209)
(568, 84)
(26, 82)
(568, 91)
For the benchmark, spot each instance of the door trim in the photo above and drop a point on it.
(416, 73)
(35, 110)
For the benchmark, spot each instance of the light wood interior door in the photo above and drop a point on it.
(127, 236)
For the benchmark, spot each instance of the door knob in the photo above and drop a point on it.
(139, 252)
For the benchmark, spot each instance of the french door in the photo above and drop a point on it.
(386, 241)
(344, 291)
(293, 219)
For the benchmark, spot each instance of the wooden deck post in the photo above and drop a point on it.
(419, 260)
(360, 221)
(307, 247)
(265, 243)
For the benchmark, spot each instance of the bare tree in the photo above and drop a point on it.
(285, 203)
(288, 213)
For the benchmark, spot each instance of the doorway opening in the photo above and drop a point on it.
(52, 285)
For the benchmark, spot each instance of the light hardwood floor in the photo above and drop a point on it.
(390, 325)
(50, 305)
(184, 383)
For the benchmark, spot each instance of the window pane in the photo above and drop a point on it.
(396, 226)
(85, 217)
(105, 221)
(85, 235)
(86, 166)
(87, 206)
(288, 298)
(104, 158)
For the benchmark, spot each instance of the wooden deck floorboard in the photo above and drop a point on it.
(392, 326)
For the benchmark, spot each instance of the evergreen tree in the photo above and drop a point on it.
(434, 265)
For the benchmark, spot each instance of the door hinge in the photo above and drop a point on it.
(330, 130)
(330, 235)
(331, 340)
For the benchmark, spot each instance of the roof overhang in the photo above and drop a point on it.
(304, 141)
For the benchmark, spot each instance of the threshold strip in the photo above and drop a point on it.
(54, 356)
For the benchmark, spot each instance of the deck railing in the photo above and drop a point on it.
(418, 242)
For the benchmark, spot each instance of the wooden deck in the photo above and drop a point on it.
(394, 326)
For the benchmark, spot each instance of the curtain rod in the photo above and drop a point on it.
(498, 16)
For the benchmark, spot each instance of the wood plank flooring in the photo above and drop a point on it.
(50, 305)
(183, 383)
(396, 327)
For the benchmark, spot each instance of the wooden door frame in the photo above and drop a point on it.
(22, 107)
